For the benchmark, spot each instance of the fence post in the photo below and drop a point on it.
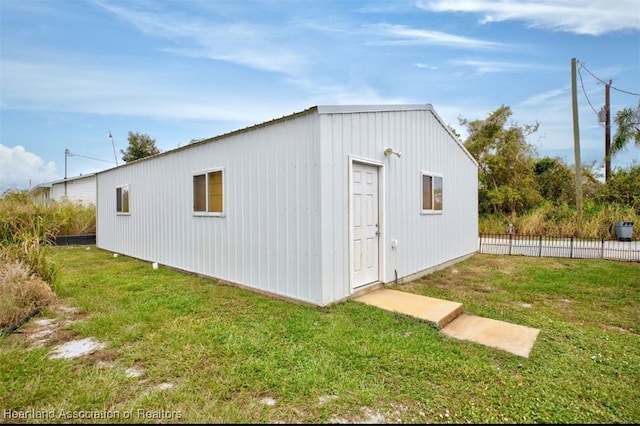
(540, 247)
(571, 248)
(510, 240)
(480, 247)
(602, 249)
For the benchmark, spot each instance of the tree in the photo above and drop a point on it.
(555, 180)
(506, 161)
(628, 122)
(624, 187)
(454, 132)
(140, 146)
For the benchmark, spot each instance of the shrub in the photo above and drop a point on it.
(20, 292)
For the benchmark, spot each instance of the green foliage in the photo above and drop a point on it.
(628, 129)
(591, 182)
(554, 180)
(141, 145)
(507, 180)
(623, 187)
(538, 193)
(454, 132)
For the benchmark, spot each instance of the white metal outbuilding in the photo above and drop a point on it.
(314, 206)
(78, 189)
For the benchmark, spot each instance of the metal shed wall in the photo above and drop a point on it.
(79, 190)
(269, 237)
(424, 240)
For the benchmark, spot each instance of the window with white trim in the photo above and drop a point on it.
(208, 193)
(431, 193)
(122, 199)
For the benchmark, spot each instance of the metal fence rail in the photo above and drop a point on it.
(571, 247)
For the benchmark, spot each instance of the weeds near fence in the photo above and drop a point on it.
(598, 220)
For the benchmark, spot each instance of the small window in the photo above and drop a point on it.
(208, 192)
(122, 199)
(431, 193)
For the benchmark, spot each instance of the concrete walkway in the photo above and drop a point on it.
(449, 318)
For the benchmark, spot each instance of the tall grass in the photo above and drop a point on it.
(27, 228)
(72, 219)
(24, 234)
(598, 220)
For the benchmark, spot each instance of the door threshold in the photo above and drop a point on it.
(367, 288)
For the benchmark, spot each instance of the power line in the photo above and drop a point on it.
(90, 158)
(603, 82)
(585, 92)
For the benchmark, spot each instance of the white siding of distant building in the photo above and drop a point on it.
(78, 190)
(40, 194)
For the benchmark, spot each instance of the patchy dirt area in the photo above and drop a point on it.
(45, 331)
(53, 331)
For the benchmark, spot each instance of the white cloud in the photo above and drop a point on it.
(401, 35)
(320, 93)
(540, 99)
(593, 17)
(257, 46)
(485, 67)
(425, 66)
(19, 168)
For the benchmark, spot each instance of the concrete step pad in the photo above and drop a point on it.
(436, 311)
(513, 338)
(451, 321)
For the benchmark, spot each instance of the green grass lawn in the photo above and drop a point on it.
(222, 352)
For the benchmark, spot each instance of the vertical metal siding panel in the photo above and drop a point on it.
(57, 191)
(334, 180)
(311, 224)
(334, 130)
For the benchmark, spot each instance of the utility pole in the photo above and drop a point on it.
(576, 142)
(66, 154)
(607, 133)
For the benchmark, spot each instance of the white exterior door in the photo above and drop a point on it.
(365, 232)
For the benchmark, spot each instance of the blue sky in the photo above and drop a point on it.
(71, 71)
